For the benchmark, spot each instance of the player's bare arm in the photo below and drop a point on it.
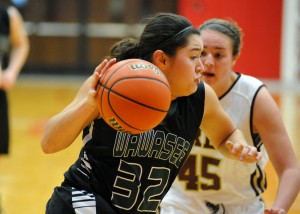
(223, 134)
(268, 122)
(62, 129)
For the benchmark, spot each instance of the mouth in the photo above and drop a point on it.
(207, 74)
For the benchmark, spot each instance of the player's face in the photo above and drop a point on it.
(217, 60)
(185, 67)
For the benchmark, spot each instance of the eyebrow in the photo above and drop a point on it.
(195, 49)
(216, 47)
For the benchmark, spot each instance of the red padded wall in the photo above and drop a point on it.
(261, 22)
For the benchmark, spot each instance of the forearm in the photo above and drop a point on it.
(235, 137)
(288, 188)
(19, 42)
(18, 58)
(64, 128)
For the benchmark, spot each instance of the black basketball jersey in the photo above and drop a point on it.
(4, 57)
(134, 172)
(4, 35)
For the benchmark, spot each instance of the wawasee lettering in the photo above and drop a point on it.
(152, 144)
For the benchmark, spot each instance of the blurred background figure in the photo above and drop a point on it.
(14, 48)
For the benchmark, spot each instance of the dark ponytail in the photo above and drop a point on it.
(165, 31)
(124, 49)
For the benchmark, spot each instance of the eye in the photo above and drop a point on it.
(195, 57)
(203, 54)
(219, 55)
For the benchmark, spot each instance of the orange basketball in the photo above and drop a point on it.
(133, 96)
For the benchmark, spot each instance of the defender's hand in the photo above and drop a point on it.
(242, 152)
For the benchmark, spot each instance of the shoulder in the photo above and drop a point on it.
(12, 10)
(246, 85)
(13, 13)
(250, 80)
(211, 100)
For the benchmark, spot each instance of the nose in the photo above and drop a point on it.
(208, 60)
(200, 67)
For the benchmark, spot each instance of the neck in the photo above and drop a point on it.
(225, 86)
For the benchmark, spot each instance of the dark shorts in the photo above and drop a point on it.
(68, 200)
(4, 131)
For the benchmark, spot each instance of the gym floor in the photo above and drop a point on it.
(28, 176)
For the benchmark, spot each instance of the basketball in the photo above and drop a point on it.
(133, 96)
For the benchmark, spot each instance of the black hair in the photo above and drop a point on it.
(164, 31)
(227, 27)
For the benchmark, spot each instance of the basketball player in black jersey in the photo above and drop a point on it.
(121, 173)
(14, 49)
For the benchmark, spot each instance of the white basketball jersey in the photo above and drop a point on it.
(207, 175)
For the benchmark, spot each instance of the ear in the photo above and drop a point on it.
(235, 59)
(159, 59)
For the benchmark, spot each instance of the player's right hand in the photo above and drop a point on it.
(244, 152)
(96, 77)
(275, 210)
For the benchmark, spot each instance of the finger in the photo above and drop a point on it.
(249, 152)
(99, 68)
(275, 211)
(282, 211)
(95, 77)
(237, 149)
(106, 66)
(229, 145)
(99, 72)
(258, 156)
(244, 151)
(252, 150)
(234, 148)
(254, 154)
(245, 154)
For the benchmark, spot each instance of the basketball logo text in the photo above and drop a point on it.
(116, 125)
(145, 66)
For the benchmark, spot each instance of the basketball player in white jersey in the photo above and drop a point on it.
(210, 183)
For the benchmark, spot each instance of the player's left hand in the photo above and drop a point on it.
(242, 152)
(275, 210)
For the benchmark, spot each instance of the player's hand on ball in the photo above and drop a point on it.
(242, 152)
(275, 210)
(98, 73)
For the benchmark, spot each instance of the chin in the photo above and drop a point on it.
(193, 90)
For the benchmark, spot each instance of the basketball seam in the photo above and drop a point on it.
(109, 79)
(132, 100)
